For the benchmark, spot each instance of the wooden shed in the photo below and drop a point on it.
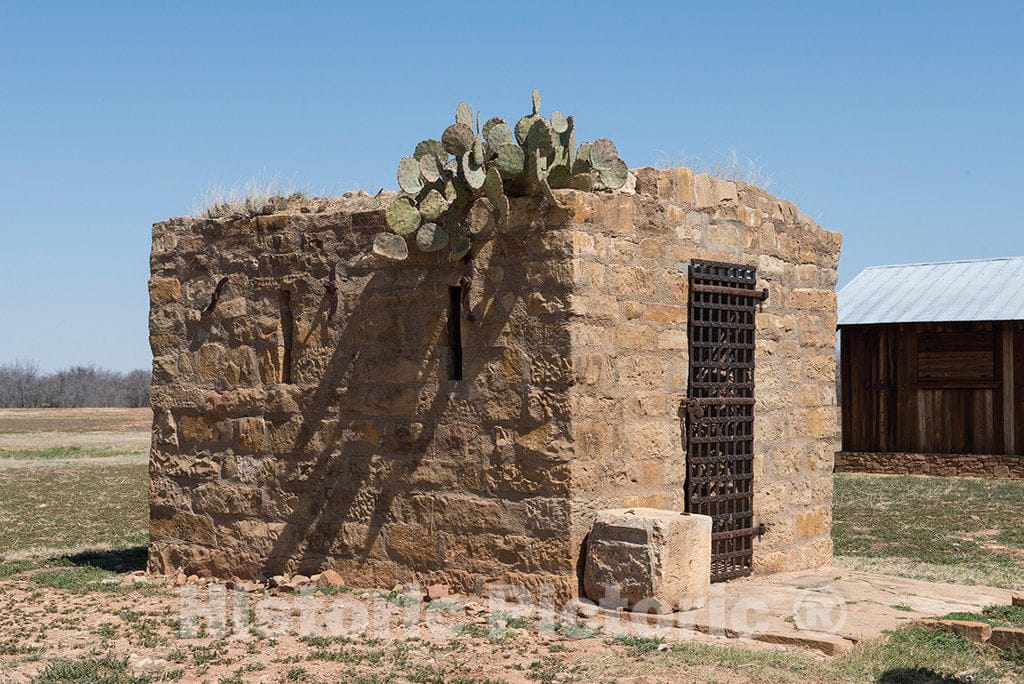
(932, 369)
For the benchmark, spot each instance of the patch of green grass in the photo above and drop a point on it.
(341, 655)
(551, 670)
(510, 621)
(997, 616)
(11, 647)
(474, 630)
(638, 645)
(902, 606)
(913, 655)
(756, 664)
(402, 600)
(78, 578)
(105, 670)
(12, 568)
(329, 590)
(72, 507)
(444, 605)
(425, 674)
(939, 528)
(74, 451)
(919, 655)
(576, 630)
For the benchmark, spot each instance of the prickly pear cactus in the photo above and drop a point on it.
(455, 190)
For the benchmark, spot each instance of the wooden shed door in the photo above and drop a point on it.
(720, 410)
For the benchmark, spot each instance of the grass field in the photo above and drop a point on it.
(70, 521)
(963, 530)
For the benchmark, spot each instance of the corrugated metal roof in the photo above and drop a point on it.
(982, 290)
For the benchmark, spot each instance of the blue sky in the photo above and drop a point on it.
(898, 124)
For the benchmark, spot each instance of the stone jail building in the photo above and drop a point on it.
(318, 407)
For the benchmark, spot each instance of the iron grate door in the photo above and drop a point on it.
(720, 410)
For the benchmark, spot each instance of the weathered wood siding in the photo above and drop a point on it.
(943, 388)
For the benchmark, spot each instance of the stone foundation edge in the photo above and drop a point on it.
(947, 465)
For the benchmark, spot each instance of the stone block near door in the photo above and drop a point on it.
(648, 560)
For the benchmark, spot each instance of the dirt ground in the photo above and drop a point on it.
(74, 606)
(209, 634)
(76, 420)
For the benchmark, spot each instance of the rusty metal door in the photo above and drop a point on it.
(720, 410)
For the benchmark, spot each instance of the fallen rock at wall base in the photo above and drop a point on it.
(1008, 638)
(829, 644)
(330, 578)
(437, 591)
(968, 629)
(586, 609)
(648, 560)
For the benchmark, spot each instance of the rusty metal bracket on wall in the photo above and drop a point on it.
(217, 291)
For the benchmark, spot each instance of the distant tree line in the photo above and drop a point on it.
(22, 385)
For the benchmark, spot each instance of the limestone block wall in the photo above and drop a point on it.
(629, 342)
(309, 419)
(290, 440)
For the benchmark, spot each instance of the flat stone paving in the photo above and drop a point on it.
(827, 610)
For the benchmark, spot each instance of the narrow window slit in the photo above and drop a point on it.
(455, 333)
(288, 332)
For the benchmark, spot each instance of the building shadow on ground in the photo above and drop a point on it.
(128, 559)
(919, 675)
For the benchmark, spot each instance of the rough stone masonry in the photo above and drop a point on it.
(307, 414)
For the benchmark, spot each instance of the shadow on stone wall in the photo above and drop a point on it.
(378, 412)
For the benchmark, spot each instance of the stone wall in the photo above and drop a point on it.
(343, 443)
(287, 439)
(947, 465)
(629, 340)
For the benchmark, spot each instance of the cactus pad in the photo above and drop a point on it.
(581, 181)
(473, 173)
(494, 191)
(459, 244)
(480, 221)
(602, 154)
(402, 216)
(535, 96)
(457, 139)
(559, 123)
(432, 205)
(409, 178)
(430, 168)
(390, 246)
(510, 160)
(431, 237)
(539, 136)
(431, 147)
(584, 152)
(497, 132)
(523, 127)
(464, 115)
(615, 176)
